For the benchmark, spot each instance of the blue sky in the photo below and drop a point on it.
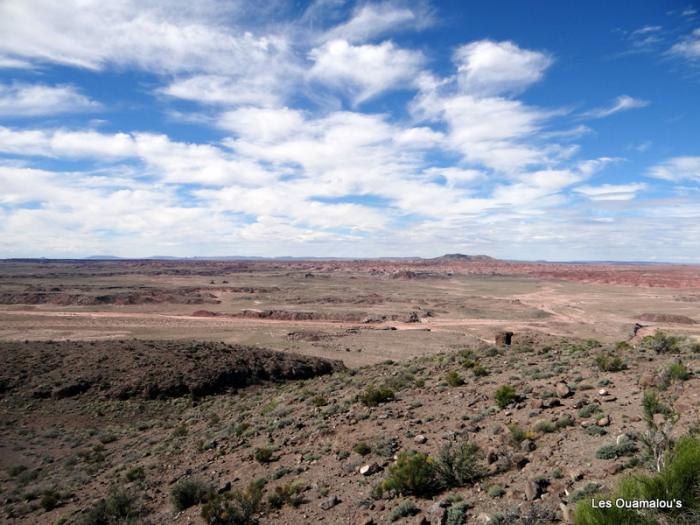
(523, 130)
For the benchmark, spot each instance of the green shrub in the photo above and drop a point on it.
(661, 343)
(412, 474)
(495, 491)
(652, 404)
(518, 434)
(135, 474)
(565, 420)
(590, 410)
(288, 494)
(625, 448)
(402, 510)
(234, 508)
(544, 426)
(479, 371)
(50, 499)
(458, 465)
(457, 513)
(595, 430)
(374, 395)
(505, 395)
(609, 362)
(677, 372)
(117, 508)
(362, 448)
(263, 455)
(454, 379)
(678, 480)
(319, 401)
(187, 493)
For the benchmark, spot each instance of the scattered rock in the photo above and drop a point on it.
(563, 390)
(603, 421)
(420, 439)
(551, 403)
(527, 445)
(602, 392)
(329, 502)
(566, 515)
(532, 490)
(613, 468)
(370, 469)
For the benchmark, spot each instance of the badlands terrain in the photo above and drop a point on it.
(450, 390)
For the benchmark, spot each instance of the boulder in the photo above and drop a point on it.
(504, 338)
(563, 390)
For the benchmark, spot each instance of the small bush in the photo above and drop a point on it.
(135, 474)
(373, 395)
(412, 474)
(288, 494)
(263, 455)
(319, 401)
(677, 372)
(661, 343)
(362, 448)
(117, 508)
(495, 491)
(403, 510)
(16, 470)
(479, 371)
(545, 426)
(678, 480)
(590, 410)
(234, 508)
(505, 395)
(625, 448)
(457, 513)
(458, 465)
(49, 499)
(454, 379)
(565, 420)
(652, 404)
(518, 434)
(187, 493)
(595, 430)
(609, 363)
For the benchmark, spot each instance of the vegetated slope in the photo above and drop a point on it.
(146, 369)
(554, 420)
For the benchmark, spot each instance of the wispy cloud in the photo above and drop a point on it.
(31, 100)
(621, 103)
(611, 192)
(677, 169)
(688, 47)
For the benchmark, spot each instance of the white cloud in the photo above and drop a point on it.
(265, 88)
(364, 71)
(611, 192)
(30, 100)
(487, 68)
(688, 47)
(372, 20)
(262, 124)
(157, 36)
(621, 103)
(677, 169)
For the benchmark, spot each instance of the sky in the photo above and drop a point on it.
(521, 130)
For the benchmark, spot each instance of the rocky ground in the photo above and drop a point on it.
(326, 447)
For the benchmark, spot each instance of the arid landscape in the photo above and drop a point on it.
(451, 390)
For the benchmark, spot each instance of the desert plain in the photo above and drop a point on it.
(170, 391)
